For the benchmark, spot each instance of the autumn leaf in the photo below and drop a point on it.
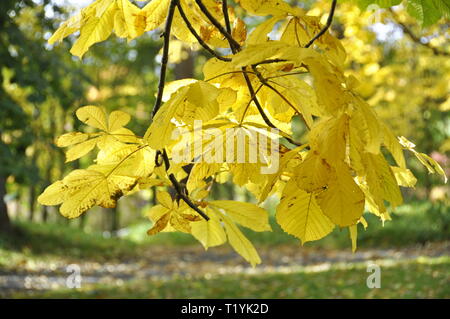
(83, 189)
(112, 129)
(299, 215)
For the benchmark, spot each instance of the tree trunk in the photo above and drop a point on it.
(48, 177)
(115, 219)
(83, 221)
(31, 202)
(185, 69)
(5, 222)
(44, 213)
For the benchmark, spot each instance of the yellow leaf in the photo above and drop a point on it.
(289, 158)
(71, 138)
(129, 21)
(196, 101)
(259, 34)
(117, 120)
(246, 214)
(404, 176)
(172, 87)
(83, 189)
(295, 33)
(156, 11)
(253, 54)
(147, 182)
(94, 30)
(329, 138)
(363, 221)
(240, 243)
(393, 145)
(313, 173)
(159, 225)
(375, 205)
(81, 149)
(160, 132)
(164, 199)
(209, 233)
(54, 194)
(129, 159)
(156, 212)
(239, 32)
(266, 7)
(430, 164)
(299, 214)
(369, 125)
(327, 82)
(199, 172)
(179, 29)
(343, 200)
(67, 28)
(93, 116)
(381, 180)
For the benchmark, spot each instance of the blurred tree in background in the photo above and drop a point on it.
(37, 85)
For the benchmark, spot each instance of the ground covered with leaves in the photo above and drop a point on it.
(414, 256)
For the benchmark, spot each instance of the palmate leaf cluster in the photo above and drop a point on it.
(268, 77)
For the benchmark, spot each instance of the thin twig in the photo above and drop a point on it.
(255, 99)
(165, 57)
(268, 61)
(259, 106)
(197, 36)
(248, 104)
(327, 26)
(234, 45)
(265, 83)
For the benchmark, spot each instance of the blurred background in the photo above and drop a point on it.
(405, 75)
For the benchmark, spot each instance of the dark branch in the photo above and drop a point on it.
(186, 199)
(327, 26)
(197, 36)
(165, 57)
(226, 16)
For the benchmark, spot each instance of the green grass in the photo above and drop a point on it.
(420, 278)
(45, 241)
(415, 223)
(418, 222)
